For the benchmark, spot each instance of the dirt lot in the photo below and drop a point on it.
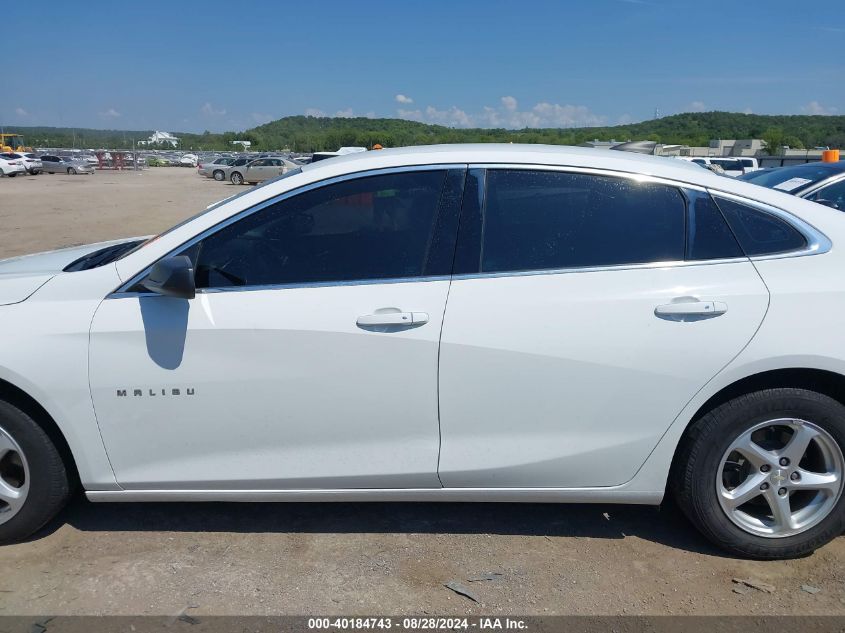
(354, 558)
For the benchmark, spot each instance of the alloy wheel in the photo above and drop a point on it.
(14, 477)
(780, 478)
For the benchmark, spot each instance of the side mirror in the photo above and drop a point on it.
(172, 277)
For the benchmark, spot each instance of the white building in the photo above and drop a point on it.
(161, 137)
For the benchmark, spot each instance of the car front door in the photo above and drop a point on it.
(581, 320)
(308, 358)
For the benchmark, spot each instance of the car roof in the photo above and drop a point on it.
(490, 153)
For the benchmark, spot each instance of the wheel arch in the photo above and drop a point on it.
(823, 381)
(19, 398)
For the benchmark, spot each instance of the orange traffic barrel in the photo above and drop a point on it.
(830, 155)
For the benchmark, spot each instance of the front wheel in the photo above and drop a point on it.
(237, 178)
(12, 175)
(762, 475)
(34, 484)
(71, 171)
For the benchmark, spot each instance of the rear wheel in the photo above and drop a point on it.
(34, 484)
(219, 175)
(237, 178)
(71, 171)
(762, 475)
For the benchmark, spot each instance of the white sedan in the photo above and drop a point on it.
(11, 164)
(448, 323)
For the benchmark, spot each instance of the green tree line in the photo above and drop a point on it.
(308, 134)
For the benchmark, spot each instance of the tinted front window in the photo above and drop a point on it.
(536, 220)
(370, 228)
(758, 232)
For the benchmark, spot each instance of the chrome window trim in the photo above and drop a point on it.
(817, 242)
(315, 284)
(123, 290)
(598, 269)
(595, 171)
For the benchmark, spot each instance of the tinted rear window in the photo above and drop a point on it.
(758, 232)
(539, 220)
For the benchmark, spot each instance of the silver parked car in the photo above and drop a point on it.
(260, 170)
(63, 165)
(214, 169)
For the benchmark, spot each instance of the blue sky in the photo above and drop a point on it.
(191, 66)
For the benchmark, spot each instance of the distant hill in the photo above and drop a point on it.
(306, 134)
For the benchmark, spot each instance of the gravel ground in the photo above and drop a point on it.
(232, 559)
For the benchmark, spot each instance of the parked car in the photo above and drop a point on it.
(11, 164)
(213, 169)
(31, 162)
(259, 170)
(624, 327)
(731, 166)
(188, 160)
(64, 165)
(820, 182)
(159, 161)
(237, 162)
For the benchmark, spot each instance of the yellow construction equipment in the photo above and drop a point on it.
(13, 143)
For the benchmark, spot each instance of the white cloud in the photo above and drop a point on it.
(403, 99)
(261, 118)
(453, 117)
(21, 112)
(315, 112)
(748, 111)
(625, 119)
(111, 113)
(208, 110)
(814, 107)
(695, 106)
(508, 115)
(345, 114)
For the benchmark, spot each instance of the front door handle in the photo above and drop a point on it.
(393, 318)
(683, 309)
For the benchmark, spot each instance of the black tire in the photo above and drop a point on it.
(13, 175)
(71, 171)
(236, 178)
(218, 175)
(49, 485)
(699, 458)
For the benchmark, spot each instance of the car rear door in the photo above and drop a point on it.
(307, 360)
(582, 317)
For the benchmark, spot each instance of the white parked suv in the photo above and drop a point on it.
(448, 323)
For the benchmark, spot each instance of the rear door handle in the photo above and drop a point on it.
(691, 308)
(393, 318)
